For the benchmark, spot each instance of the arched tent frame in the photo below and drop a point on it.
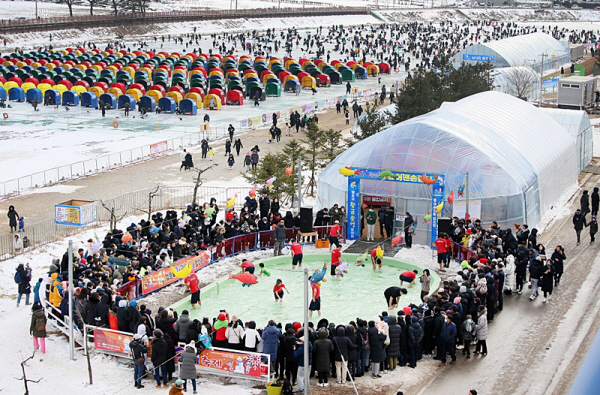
(354, 200)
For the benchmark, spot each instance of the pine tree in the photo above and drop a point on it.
(314, 140)
(332, 143)
(274, 165)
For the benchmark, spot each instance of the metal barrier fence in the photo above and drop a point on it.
(231, 247)
(461, 253)
(116, 160)
(47, 231)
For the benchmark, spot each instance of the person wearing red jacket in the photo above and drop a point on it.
(441, 243)
(219, 327)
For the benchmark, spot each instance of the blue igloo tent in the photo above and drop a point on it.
(89, 99)
(3, 94)
(16, 94)
(124, 99)
(53, 97)
(110, 101)
(70, 98)
(34, 94)
(167, 104)
(148, 103)
(188, 106)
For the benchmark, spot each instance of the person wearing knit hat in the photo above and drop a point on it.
(176, 388)
(297, 326)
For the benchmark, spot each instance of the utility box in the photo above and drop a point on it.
(75, 213)
(576, 93)
(577, 51)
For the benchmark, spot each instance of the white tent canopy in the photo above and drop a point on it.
(518, 158)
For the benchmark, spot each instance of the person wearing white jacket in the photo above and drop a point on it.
(234, 333)
(509, 273)
(251, 337)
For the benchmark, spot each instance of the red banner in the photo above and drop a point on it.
(246, 364)
(165, 276)
(114, 341)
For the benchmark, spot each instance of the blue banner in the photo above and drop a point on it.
(436, 200)
(391, 175)
(353, 209)
(479, 58)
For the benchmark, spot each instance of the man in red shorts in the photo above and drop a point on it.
(334, 232)
(296, 251)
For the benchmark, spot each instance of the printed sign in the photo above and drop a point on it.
(158, 148)
(550, 83)
(165, 276)
(459, 209)
(115, 341)
(479, 58)
(66, 215)
(255, 120)
(376, 200)
(246, 364)
(353, 208)
(244, 124)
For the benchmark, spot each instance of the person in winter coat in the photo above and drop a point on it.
(299, 356)
(593, 229)
(165, 323)
(428, 341)
(188, 365)
(123, 316)
(220, 327)
(138, 351)
(182, 327)
(595, 201)
(170, 356)
(37, 328)
(271, 336)
(133, 316)
(13, 218)
(548, 280)
(353, 352)
(558, 257)
(230, 161)
(264, 204)
(23, 276)
(251, 337)
(238, 146)
(415, 336)
(408, 223)
(377, 339)
(279, 236)
(177, 388)
(103, 311)
(578, 223)
(342, 344)
(509, 273)
(481, 330)
(287, 352)
(234, 334)
(159, 358)
(532, 239)
(448, 335)
(393, 350)
(536, 271)
(584, 201)
(467, 330)
(321, 352)
(275, 206)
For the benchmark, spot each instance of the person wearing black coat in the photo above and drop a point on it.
(159, 358)
(415, 336)
(558, 258)
(238, 146)
(578, 223)
(165, 324)
(123, 316)
(408, 222)
(510, 243)
(321, 350)
(342, 346)
(585, 203)
(92, 309)
(322, 218)
(170, 356)
(133, 316)
(102, 311)
(25, 284)
(287, 353)
(13, 218)
(521, 263)
(438, 323)
(353, 352)
(536, 270)
(428, 333)
(595, 201)
(547, 280)
(264, 204)
(393, 351)
(376, 341)
(403, 358)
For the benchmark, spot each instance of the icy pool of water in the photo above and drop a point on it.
(358, 294)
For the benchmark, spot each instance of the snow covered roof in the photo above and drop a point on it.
(528, 49)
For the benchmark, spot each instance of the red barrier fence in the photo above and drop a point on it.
(228, 248)
(461, 253)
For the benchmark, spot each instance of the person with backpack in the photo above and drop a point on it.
(138, 351)
(22, 279)
(38, 328)
(188, 365)
(468, 333)
(481, 330)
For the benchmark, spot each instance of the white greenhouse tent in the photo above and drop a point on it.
(525, 50)
(577, 124)
(519, 81)
(519, 160)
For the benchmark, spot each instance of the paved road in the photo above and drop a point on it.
(536, 348)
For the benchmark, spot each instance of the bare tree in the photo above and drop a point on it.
(521, 82)
(198, 180)
(85, 342)
(151, 195)
(70, 4)
(113, 217)
(95, 3)
(24, 378)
